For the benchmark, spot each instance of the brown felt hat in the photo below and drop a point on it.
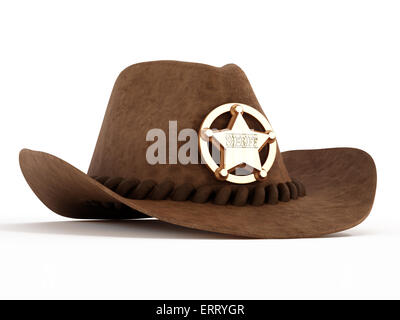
(302, 193)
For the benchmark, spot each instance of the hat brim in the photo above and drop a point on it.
(340, 186)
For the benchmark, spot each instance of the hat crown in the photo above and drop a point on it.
(149, 96)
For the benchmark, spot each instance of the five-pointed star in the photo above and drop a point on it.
(241, 145)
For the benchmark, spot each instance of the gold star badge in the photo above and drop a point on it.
(239, 145)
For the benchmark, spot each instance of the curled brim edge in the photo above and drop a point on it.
(340, 183)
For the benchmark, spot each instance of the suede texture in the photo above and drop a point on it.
(149, 95)
(340, 182)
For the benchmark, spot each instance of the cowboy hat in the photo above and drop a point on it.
(140, 166)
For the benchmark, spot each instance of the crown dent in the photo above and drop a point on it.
(149, 95)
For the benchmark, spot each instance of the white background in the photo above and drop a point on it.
(327, 74)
